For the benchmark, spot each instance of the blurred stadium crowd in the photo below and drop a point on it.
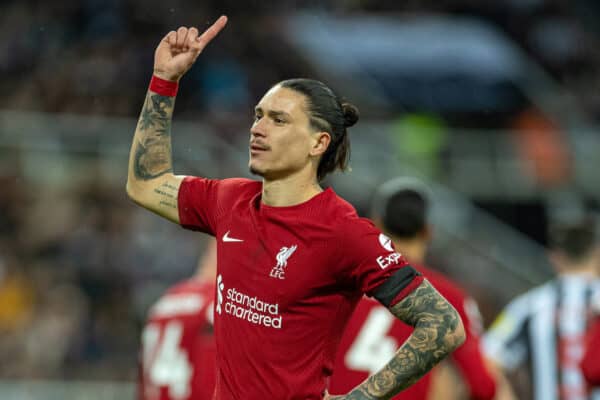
(79, 267)
(93, 56)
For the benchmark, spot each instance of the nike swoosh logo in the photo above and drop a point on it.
(226, 238)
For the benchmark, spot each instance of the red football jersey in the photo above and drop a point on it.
(373, 335)
(288, 279)
(178, 349)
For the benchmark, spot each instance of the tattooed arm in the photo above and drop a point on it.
(150, 180)
(438, 331)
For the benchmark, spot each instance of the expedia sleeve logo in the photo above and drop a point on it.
(249, 308)
(390, 259)
(385, 242)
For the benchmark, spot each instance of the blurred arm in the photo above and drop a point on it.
(468, 359)
(504, 390)
(446, 383)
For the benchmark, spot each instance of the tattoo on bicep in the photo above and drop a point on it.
(167, 194)
(434, 320)
(168, 204)
(153, 156)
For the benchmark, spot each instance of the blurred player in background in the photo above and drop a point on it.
(545, 327)
(178, 349)
(400, 209)
(293, 258)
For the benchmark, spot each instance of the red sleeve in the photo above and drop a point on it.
(202, 202)
(373, 259)
(468, 357)
(196, 201)
(590, 365)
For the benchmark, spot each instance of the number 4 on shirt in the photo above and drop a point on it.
(165, 363)
(372, 349)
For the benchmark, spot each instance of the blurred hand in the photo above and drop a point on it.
(178, 51)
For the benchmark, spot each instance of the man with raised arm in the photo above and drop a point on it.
(293, 258)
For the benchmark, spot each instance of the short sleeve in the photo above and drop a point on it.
(197, 201)
(203, 202)
(374, 260)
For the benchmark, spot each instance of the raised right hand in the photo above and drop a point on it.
(178, 51)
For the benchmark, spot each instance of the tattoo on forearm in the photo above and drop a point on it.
(435, 321)
(153, 156)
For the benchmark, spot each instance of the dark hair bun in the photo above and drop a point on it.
(350, 114)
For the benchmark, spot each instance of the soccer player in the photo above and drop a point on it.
(178, 351)
(400, 208)
(545, 327)
(293, 259)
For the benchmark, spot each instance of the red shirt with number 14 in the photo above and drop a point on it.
(178, 346)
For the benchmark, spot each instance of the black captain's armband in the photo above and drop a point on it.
(388, 290)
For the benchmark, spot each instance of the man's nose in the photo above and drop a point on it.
(258, 128)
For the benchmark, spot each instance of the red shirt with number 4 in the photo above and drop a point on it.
(178, 348)
(373, 336)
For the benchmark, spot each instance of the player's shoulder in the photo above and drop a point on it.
(345, 215)
(238, 188)
(355, 233)
(232, 186)
(531, 301)
(190, 285)
(339, 214)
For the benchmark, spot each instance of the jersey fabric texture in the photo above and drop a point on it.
(373, 335)
(544, 330)
(288, 279)
(178, 352)
(590, 364)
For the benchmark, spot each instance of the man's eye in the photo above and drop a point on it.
(257, 117)
(279, 121)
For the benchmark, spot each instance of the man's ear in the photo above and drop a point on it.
(320, 144)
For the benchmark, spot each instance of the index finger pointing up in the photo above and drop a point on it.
(211, 32)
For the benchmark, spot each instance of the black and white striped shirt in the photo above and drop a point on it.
(545, 327)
